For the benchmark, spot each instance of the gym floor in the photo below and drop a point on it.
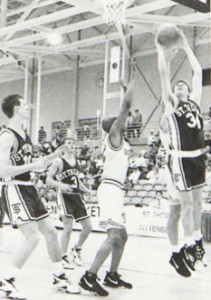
(144, 264)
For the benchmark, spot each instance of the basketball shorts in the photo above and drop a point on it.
(73, 206)
(187, 173)
(23, 204)
(111, 201)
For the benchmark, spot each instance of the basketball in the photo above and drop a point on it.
(168, 35)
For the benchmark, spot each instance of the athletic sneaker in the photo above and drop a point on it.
(177, 261)
(112, 279)
(200, 252)
(62, 283)
(67, 264)
(89, 283)
(10, 291)
(76, 254)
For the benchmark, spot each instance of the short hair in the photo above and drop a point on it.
(107, 123)
(9, 103)
(181, 80)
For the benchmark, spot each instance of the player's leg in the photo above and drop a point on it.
(89, 280)
(8, 284)
(65, 236)
(112, 278)
(177, 260)
(64, 242)
(86, 229)
(197, 209)
(60, 280)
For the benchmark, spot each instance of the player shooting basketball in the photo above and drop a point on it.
(181, 127)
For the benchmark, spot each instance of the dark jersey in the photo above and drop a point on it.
(69, 175)
(21, 153)
(186, 127)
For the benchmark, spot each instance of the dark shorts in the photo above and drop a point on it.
(188, 173)
(23, 204)
(73, 206)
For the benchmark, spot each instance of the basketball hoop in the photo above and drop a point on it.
(114, 11)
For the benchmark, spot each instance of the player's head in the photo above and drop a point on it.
(107, 123)
(71, 144)
(15, 103)
(181, 88)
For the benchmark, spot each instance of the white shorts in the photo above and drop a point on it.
(111, 201)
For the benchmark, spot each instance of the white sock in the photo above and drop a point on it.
(189, 240)
(58, 268)
(197, 235)
(175, 248)
(12, 272)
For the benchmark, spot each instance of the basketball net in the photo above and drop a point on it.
(114, 11)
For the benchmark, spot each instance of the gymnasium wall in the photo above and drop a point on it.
(59, 89)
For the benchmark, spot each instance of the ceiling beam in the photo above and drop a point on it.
(24, 16)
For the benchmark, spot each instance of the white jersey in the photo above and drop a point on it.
(116, 161)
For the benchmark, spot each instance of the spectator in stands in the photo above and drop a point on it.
(139, 160)
(157, 138)
(151, 153)
(150, 138)
(159, 202)
(137, 122)
(209, 113)
(134, 175)
(144, 170)
(130, 125)
(85, 153)
(86, 132)
(42, 135)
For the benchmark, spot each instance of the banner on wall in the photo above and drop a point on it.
(140, 221)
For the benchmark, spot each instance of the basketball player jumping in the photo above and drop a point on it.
(23, 206)
(64, 175)
(183, 137)
(110, 195)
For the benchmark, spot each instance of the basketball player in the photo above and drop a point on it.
(183, 137)
(21, 200)
(110, 195)
(64, 175)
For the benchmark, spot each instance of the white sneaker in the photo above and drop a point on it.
(10, 291)
(67, 263)
(76, 254)
(62, 284)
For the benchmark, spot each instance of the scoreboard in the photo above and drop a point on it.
(199, 5)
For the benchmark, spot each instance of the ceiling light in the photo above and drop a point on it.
(54, 38)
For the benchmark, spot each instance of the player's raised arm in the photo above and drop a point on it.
(118, 127)
(197, 71)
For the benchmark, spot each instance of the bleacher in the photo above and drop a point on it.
(144, 192)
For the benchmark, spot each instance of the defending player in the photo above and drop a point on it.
(110, 195)
(183, 137)
(64, 175)
(23, 206)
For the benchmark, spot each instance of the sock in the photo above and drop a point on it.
(12, 272)
(189, 240)
(58, 268)
(175, 248)
(197, 235)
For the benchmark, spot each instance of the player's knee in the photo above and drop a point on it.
(34, 240)
(88, 227)
(51, 232)
(119, 239)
